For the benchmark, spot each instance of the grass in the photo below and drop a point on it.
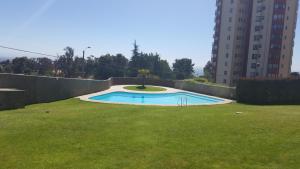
(76, 134)
(146, 88)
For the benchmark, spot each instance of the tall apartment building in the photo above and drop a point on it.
(253, 38)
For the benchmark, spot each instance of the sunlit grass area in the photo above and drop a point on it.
(146, 88)
(76, 134)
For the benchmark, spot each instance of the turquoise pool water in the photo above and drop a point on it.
(157, 99)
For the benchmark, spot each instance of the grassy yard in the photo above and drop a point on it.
(146, 89)
(75, 134)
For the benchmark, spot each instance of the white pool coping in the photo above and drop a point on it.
(120, 88)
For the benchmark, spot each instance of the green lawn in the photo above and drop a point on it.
(75, 134)
(147, 89)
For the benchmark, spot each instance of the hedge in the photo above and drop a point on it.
(269, 92)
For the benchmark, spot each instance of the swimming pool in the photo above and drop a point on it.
(170, 99)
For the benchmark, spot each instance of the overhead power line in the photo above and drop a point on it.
(26, 51)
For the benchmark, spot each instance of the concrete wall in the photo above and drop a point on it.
(219, 91)
(134, 81)
(40, 89)
(12, 99)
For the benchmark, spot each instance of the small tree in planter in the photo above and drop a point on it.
(144, 73)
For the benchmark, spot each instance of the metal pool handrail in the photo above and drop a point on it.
(182, 101)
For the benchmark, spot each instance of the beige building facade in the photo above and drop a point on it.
(253, 38)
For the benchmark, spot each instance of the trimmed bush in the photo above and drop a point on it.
(269, 92)
(201, 79)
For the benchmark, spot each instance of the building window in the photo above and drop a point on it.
(275, 46)
(257, 46)
(256, 56)
(259, 18)
(259, 28)
(277, 27)
(260, 1)
(260, 8)
(258, 37)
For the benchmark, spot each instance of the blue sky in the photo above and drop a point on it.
(173, 28)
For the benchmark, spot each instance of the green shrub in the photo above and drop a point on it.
(269, 92)
(201, 79)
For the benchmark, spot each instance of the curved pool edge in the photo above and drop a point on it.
(120, 88)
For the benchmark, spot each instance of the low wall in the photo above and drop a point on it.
(40, 89)
(213, 90)
(219, 91)
(12, 99)
(135, 81)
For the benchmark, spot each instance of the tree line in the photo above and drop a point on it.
(70, 66)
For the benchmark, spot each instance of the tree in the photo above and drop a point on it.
(79, 67)
(144, 73)
(104, 67)
(165, 71)
(120, 64)
(44, 66)
(6, 66)
(135, 61)
(150, 61)
(295, 75)
(135, 51)
(90, 67)
(110, 66)
(23, 65)
(183, 68)
(65, 63)
(208, 71)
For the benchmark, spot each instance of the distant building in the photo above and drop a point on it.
(253, 38)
